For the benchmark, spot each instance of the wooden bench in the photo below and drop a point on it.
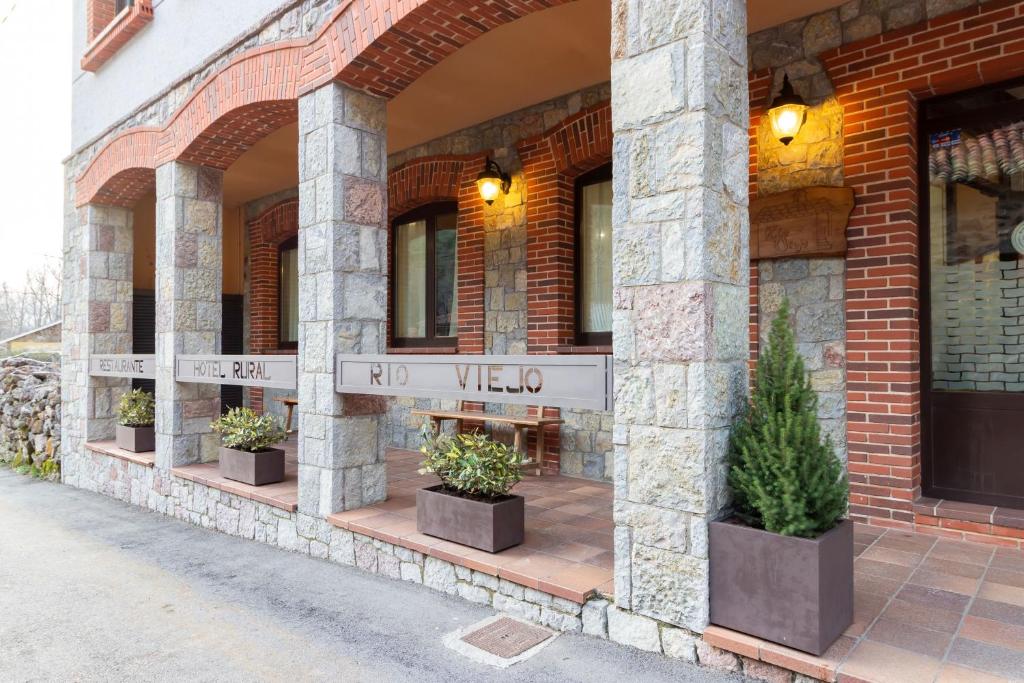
(519, 424)
(289, 402)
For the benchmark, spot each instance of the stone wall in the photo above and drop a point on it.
(29, 411)
(585, 438)
(815, 287)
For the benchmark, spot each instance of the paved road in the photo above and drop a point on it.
(93, 589)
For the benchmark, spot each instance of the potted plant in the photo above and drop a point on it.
(245, 453)
(782, 567)
(135, 417)
(472, 504)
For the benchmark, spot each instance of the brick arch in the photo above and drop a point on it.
(267, 232)
(551, 163)
(448, 178)
(123, 172)
(879, 82)
(377, 46)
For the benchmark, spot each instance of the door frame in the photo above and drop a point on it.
(924, 129)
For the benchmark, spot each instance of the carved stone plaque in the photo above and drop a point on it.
(810, 221)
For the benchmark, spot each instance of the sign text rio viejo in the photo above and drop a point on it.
(273, 372)
(556, 381)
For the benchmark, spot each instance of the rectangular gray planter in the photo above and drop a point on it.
(478, 524)
(135, 439)
(255, 469)
(797, 592)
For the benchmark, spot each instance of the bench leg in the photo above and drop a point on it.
(288, 422)
(540, 450)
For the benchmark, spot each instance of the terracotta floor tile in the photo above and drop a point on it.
(997, 611)
(1001, 593)
(875, 585)
(985, 657)
(605, 559)
(952, 567)
(993, 632)
(733, 641)
(866, 608)
(959, 551)
(951, 673)
(576, 552)
(893, 555)
(933, 597)
(1006, 577)
(821, 668)
(886, 664)
(575, 582)
(946, 582)
(906, 541)
(1006, 558)
(945, 621)
(910, 637)
(885, 570)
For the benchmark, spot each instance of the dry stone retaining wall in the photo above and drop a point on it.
(29, 410)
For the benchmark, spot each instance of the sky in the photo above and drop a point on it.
(35, 117)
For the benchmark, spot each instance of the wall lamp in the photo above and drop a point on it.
(787, 113)
(492, 181)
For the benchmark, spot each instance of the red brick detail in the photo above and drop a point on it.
(448, 179)
(122, 173)
(108, 34)
(977, 532)
(879, 81)
(759, 86)
(378, 46)
(551, 163)
(267, 231)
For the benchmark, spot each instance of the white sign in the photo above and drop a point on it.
(272, 372)
(123, 365)
(556, 381)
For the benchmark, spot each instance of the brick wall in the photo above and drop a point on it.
(879, 81)
(877, 78)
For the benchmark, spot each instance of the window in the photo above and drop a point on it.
(425, 277)
(288, 295)
(120, 5)
(594, 258)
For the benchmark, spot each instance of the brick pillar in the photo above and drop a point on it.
(342, 292)
(189, 227)
(97, 319)
(681, 278)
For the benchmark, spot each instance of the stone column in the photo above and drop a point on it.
(189, 269)
(342, 292)
(681, 278)
(97, 319)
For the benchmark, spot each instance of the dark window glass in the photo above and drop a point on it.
(288, 295)
(121, 4)
(594, 257)
(425, 277)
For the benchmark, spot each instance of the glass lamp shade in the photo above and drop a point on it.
(786, 121)
(489, 188)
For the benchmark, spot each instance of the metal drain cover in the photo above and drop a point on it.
(506, 638)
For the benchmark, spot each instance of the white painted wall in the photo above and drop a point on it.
(182, 35)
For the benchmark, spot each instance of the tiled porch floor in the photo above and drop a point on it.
(283, 495)
(568, 546)
(927, 609)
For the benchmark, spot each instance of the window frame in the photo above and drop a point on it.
(428, 213)
(285, 245)
(602, 173)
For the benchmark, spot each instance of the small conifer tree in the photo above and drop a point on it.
(785, 478)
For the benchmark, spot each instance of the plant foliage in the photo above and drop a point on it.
(471, 463)
(136, 409)
(785, 478)
(244, 430)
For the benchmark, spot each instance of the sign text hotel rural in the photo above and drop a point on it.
(556, 381)
(273, 372)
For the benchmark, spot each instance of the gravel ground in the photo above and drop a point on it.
(93, 589)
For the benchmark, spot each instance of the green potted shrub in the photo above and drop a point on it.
(782, 567)
(246, 452)
(472, 504)
(135, 417)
